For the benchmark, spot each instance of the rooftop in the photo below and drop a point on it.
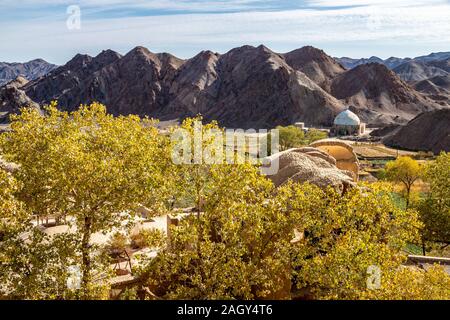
(347, 118)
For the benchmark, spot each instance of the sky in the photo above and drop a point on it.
(56, 30)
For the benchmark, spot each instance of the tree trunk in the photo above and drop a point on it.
(408, 192)
(86, 259)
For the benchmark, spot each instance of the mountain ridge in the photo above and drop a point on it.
(30, 70)
(245, 87)
(391, 62)
(418, 72)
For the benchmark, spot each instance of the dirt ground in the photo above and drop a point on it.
(378, 150)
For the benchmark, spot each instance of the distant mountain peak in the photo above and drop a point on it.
(316, 64)
(392, 62)
(30, 70)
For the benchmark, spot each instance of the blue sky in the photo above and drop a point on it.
(358, 28)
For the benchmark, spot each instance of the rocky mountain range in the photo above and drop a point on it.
(392, 62)
(247, 87)
(29, 70)
(427, 74)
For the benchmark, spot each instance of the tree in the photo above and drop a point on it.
(294, 137)
(244, 230)
(290, 137)
(412, 284)
(435, 208)
(251, 241)
(36, 266)
(245, 239)
(90, 166)
(235, 245)
(12, 212)
(346, 235)
(406, 171)
(314, 135)
(239, 241)
(32, 266)
(236, 248)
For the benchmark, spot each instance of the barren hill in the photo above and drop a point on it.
(430, 131)
(248, 87)
(380, 97)
(438, 88)
(316, 64)
(255, 87)
(417, 71)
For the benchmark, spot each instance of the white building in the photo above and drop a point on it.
(347, 123)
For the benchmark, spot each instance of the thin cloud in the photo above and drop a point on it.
(377, 3)
(412, 27)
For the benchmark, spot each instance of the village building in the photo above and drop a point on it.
(346, 158)
(347, 123)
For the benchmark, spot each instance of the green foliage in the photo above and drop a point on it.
(35, 266)
(314, 135)
(404, 170)
(381, 175)
(153, 238)
(413, 284)
(343, 236)
(129, 294)
(435, 209)
(245, 239)
(118, 242)
(90, 166)
(235, 246)
(290, 137)
(13, 212)
(294, 137)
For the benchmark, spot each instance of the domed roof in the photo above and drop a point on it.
(347, 118)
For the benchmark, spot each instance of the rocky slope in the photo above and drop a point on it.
(29, 70)
(316, 64)
(74, 83)
(247, 87)
(438, 88)
(430, 131)
(414, 71)
(256, 88)
(378, 95)
(12, 98)
(418, 72)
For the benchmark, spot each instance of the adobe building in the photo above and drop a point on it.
(346, 158)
